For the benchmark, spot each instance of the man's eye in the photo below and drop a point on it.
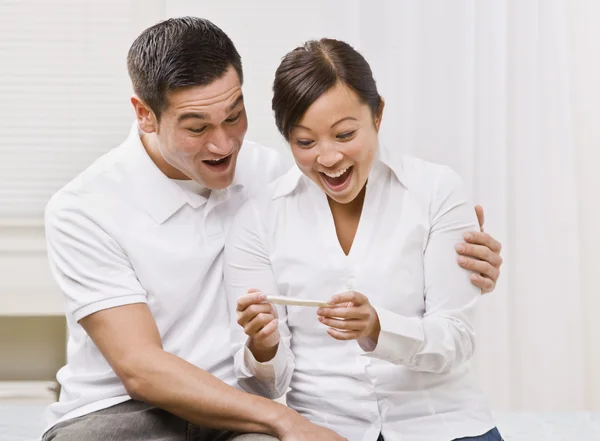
(235, 118)
(199, 130)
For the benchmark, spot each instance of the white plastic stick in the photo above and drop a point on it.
(296, 302)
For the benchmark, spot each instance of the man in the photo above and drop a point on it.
(135, 243)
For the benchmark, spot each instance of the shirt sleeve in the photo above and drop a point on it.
(247, 265)
(91, 269)
(443, 338)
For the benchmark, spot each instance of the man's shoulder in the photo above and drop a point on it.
(104, 180)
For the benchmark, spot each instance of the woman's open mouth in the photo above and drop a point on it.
(339, 180)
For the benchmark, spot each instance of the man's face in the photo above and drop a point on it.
(202, 129)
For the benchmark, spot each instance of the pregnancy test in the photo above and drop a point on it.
(296, 302)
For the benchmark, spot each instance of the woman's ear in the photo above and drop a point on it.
(379, 115)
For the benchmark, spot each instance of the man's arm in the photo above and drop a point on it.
(103, 294)
(128, 338)
(480, 253)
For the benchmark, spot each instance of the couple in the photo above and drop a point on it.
(136, 244)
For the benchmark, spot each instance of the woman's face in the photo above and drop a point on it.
(335, 143)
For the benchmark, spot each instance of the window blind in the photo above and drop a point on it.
(64, 95)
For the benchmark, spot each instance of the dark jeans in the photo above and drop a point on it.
(492, 435)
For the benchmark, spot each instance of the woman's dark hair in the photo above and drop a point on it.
(177, 53)
(310, 70)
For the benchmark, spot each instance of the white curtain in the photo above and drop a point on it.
(485, 87)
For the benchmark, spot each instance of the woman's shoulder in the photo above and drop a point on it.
(423, 176)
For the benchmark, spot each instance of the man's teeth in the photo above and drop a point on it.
(215, 161)
(337, 174)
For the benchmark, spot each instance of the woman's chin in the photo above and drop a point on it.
(344, 197)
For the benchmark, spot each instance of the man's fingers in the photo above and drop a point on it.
(479, 252)
(478, 238)
(478, 266)
(480, 216)
(486, 285)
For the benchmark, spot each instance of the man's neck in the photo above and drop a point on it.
(150, 143)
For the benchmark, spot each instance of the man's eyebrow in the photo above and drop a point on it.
(240, 99)
(190, 115)
(205, 116)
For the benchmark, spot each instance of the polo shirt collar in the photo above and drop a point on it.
(155, 192)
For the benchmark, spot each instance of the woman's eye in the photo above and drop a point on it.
(346, 135)
(304, 143)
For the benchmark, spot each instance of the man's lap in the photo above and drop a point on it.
(137, 421)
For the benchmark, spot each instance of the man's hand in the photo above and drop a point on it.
(260, 322)
(303, 430)
(313, 432)
(481, 253)
(351, 317)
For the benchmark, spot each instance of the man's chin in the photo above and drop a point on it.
(218, 183)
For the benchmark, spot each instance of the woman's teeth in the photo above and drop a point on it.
(336, 174)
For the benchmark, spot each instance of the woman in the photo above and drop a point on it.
(372, 233)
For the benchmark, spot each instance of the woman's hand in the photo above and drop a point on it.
(260, 322)
(351, 317)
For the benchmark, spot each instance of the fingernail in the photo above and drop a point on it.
(475, 277)
(321, 318)
(320, 311)
(462, 260)
(468, 236)
(460, 248)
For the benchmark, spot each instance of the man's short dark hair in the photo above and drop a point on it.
(178, 53)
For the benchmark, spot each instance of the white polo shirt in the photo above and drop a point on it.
(417, 384)
(123, 233)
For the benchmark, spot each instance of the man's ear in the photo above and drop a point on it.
(145, 116)
(379, 115)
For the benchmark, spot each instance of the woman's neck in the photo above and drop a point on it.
(346, 218)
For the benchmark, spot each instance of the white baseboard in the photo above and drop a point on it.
(20, 392)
